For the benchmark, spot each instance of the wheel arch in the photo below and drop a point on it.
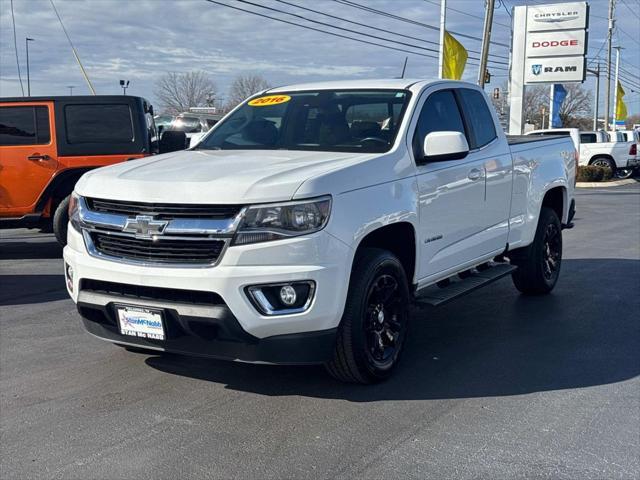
(60, 186)
(603, 156)
(398, 238)
(556, 199)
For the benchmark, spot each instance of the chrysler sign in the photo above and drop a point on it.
(554, 70)
(561, 16)
(551, 44)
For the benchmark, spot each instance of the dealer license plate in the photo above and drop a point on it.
(141, 322)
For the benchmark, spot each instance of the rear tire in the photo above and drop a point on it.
(374, 324)
(623, 173)
(539, 263)
(605, 162)
(61, 221)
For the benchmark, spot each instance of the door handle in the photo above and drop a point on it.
(475, 174)
(38, 158)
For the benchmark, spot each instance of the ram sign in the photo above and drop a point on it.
(554, 70)
(553, 44)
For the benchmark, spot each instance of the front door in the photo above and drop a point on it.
(451, 193)
(28, 155)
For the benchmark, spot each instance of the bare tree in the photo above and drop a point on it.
(243, 86)
(177, 92)
(574, 112)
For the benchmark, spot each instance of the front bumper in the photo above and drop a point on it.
(218, 336)
(233, 328)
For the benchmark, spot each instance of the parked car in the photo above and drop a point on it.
(48, 143)
(305, 223)
(596, 148)
(163, 122)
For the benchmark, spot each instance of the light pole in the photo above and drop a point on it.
(71, 87)
(124, 84)
(26, 42)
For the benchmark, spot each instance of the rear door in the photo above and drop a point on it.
(493, 151)
(28, 155)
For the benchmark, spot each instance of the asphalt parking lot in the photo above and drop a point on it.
(496, 385)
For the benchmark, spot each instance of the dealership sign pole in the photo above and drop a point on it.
(549, 46)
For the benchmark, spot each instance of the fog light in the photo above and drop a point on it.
(282, 298)
(288, 295)
(68, 274)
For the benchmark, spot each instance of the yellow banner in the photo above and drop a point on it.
(621, 108)
(455, 58)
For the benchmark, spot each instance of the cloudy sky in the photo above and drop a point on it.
(139, 40)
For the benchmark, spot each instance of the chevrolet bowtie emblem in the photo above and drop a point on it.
(144, 226)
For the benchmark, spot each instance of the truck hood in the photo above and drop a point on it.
(213, 176)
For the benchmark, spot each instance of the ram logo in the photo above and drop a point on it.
(536, 69)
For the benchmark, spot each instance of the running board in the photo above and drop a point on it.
(435, 296)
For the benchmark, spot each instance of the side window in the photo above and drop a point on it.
(478, 116)
(439, 113)
(24, 126)
(98, 124)
(588, 138)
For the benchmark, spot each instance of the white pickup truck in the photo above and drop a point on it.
(596, 148)
(306, 222)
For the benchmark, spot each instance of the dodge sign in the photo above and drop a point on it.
(551, 44)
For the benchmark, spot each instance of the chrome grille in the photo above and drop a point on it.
(158, 249)
(163, 211)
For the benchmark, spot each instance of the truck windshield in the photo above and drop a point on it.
(329, 120)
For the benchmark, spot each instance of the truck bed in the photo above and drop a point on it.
(519, 139)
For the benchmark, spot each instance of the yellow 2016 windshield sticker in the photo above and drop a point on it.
(269, 100)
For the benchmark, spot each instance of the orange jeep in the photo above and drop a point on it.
(47, 143)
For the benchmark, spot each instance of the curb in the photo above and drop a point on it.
(614, 183)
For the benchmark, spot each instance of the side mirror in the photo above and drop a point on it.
(171, 141)
(440, 146)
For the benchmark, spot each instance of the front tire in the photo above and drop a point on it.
(374, 324)
(539, 263)
(61, 221)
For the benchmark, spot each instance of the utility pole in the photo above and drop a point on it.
(596, 106)
(26, 42)
(71, 87)
(607, 103)
(443, 18)
(486, 38)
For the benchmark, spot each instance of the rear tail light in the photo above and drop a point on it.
(633, 150)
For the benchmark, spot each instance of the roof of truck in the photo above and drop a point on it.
(388, 83)
(67, 98)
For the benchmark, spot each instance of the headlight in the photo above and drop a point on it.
(74, 211)
(262, 223)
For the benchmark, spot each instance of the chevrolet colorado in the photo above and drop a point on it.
(301, 228)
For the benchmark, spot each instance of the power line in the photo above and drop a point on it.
(632, 38)
(630, 9)
(408, 20)
(462, 12)
(73, 49)
(367, 26)
(15, 46)
(332, 33)
(318, 22)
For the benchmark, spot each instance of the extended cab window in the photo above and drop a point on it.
(99, 123)
(478, 116)
(24, 126)
(588, 138)
(439, 114)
